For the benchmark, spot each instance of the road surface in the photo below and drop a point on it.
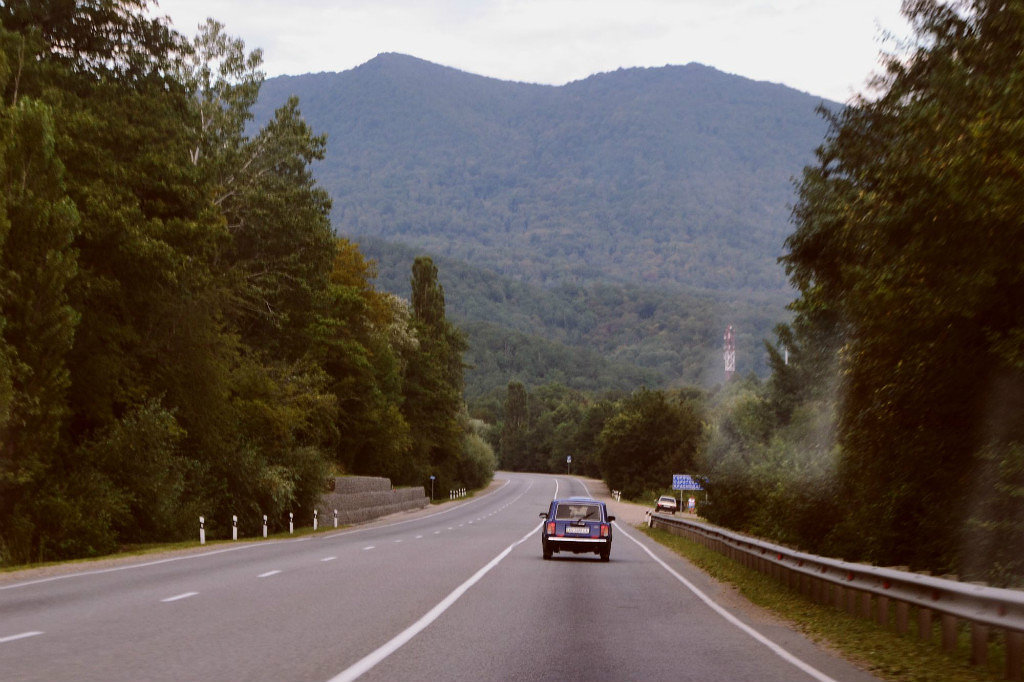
(456, 593)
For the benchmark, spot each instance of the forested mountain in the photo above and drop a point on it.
(631, 214)
(671, 176)
(589, 337)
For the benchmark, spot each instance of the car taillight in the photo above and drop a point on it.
(604, 530)
(551, 527)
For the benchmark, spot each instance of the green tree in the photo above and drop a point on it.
(651, 438)
(515, 421)
(433, 382)
(37, 262)
(909, 236)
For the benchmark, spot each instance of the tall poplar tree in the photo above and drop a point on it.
(433, 382)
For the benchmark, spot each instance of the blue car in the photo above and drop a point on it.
(578, 525)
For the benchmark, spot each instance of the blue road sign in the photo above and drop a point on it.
(684, 482)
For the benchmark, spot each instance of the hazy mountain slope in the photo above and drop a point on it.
(591, 337)
(677, 176)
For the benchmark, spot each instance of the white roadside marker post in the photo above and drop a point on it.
(335, 518)
(314, 520)
(234, 526)
(202, 530)
(291, 522)
(264, 525)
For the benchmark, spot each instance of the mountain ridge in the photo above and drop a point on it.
(675, 179)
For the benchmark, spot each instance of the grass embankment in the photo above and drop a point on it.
(882, 651)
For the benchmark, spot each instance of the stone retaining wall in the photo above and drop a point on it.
(363, 498)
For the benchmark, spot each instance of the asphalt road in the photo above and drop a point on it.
(461, 593)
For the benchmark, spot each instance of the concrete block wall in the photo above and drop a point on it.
(363, 498)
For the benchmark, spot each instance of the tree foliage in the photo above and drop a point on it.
(907, 254)
(180, 331)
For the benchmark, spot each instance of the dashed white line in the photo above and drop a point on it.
(368, 547)
(419, 537)
(178, 597)
(328, 558)
(23, 635)
(382, 652)
(267, 574)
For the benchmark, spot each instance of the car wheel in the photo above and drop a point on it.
(606, 554)
(547, 551)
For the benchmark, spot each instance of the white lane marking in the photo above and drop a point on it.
(247, 546)
(328, 558)
(368, 547)
(267, 574)
(398, 540)
(23, 635)
(775, 648)
(419, 537)
(177, 597)
(370, 660)
(437, 532)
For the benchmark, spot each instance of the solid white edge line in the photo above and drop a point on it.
(184, 595)
(23, 635)
(775, 648)
(372, 659)
(247, 545)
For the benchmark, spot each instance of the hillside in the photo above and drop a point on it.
(601, 234)
(679, 176)
(594, 337)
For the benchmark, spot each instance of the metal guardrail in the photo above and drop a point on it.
(875, 592)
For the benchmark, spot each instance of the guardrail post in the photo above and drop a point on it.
(949, 633)
(882, 614)
(1014, 654)
(902, 617)
(979, 644)
(924, 624)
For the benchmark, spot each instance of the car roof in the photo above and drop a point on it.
(577, 499)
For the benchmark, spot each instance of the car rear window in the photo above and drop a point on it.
(575, 512)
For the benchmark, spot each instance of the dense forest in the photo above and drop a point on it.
(181, 332)
(592, 337)
(632, 214)
(669, 177)
(890, 427)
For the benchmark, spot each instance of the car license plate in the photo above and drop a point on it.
(577, 530)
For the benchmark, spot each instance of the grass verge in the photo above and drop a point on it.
(130, 551)
(882, 651)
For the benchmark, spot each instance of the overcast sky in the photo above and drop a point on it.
(825, 47)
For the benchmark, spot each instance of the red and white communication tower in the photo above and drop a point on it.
(730, 353)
